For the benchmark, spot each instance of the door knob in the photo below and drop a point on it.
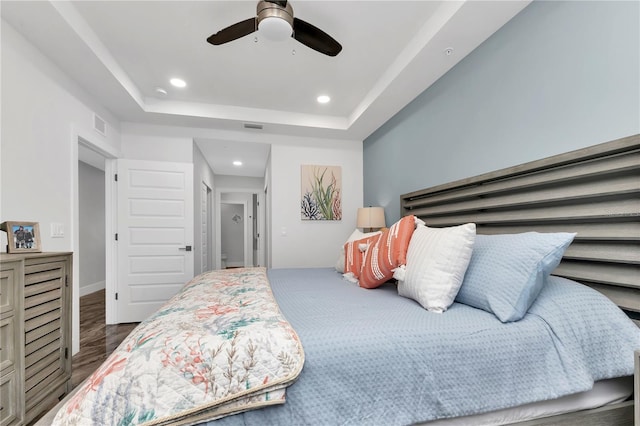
(187, 248)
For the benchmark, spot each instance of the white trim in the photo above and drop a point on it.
(261, 229)
(75, 241)
(91, 288)
(218, 260)
(206, 215)
(111, 249)
(98, 146)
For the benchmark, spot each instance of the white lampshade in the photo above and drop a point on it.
(275, 28)
(370, 217)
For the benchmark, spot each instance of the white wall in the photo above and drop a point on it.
(91, 250)
(42, 113)
(41, 109)
(137, 146)
(297, 243)
(239, 183)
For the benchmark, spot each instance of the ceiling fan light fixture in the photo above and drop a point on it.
(276, 29)
(275, 22)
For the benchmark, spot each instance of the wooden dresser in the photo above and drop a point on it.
(35, 344)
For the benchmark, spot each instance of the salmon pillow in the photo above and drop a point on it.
(356, 235)
(354, 252)
(387, 253)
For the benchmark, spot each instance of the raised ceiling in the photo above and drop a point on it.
(122, 51)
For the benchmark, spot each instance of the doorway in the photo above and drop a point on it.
(91, 159)
(251, 223)
(233, 224)
(92, 242)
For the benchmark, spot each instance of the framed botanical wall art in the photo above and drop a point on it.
(321, 192)
(22, 236)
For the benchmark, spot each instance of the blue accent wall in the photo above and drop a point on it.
(559, 76)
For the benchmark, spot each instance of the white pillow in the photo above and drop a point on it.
(355, 235)
(437, 260)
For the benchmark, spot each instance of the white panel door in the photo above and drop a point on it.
(155, 235)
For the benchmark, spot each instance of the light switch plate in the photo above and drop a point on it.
(57, 230)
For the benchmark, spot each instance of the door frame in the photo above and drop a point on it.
(111, 251)
(210, 221)
(248, 232)
(89, 139)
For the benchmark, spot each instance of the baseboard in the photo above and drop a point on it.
(235, 264)
(92, 288)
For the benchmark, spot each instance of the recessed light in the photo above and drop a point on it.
(323, 99)
(178, 82)
(237, 163)
(161, 91)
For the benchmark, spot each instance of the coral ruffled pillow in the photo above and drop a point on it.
(355, 235)
(354, 253)
(388, 252)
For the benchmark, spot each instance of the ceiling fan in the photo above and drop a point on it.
(275, 20)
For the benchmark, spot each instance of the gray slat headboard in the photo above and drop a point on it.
(594, 191)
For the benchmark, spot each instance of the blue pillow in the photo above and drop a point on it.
(507, 271)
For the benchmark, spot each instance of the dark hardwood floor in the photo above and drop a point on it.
(97, 340)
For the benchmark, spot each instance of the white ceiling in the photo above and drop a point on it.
(121, 51)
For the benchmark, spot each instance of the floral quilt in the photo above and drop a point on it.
(220, 346)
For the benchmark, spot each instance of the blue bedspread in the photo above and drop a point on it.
(373, 357)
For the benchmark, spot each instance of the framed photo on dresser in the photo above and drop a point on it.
(22, 237)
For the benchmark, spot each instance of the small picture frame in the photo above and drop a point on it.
(22, 237)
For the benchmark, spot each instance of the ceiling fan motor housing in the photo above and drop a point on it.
(267, 9)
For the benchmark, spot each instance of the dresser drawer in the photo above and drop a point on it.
(8, 281)
(8, 399)
(7, 344)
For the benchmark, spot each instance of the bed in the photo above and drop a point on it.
(338, 353)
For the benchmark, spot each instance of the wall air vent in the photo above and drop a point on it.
(253, 126)
(99, 125)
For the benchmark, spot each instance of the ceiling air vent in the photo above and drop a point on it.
(99, 125)
(253, 126)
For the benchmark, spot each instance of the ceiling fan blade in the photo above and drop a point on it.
(315, 38)
(233, 32)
